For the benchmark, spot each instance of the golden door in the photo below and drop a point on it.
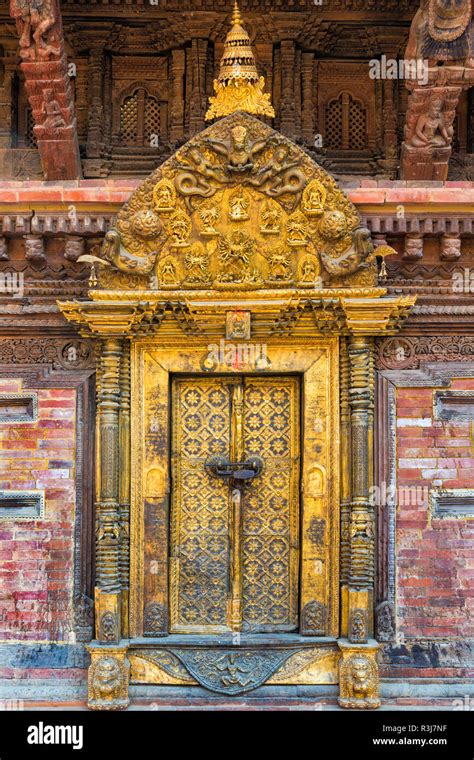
(235, 533)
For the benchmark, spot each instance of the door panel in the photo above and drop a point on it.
(234, 546)
(270, 505)
(200, 540)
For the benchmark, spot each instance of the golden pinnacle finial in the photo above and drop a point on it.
(239, 87)
(236, 18)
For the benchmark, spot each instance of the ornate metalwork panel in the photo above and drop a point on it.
(200, 541)
(270, 512)
(234, 543)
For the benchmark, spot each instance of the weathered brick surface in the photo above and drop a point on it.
(117, 191)
(435, 557)
(36, 556)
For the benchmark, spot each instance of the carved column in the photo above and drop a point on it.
(95, 129)
(178, 62)
(124, 487)
(197, 71)
(389, 124)
(362, 529)
(287, 112)
(108, 538)
(359, 684)
(109, 670)
(48, 86)
(277, 86)
(307, 115)
(344, 369)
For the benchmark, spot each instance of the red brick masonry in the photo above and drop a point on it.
(435, 556)
(36, 556)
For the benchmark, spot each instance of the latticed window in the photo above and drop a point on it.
(152, 121)
(346, 123)
(140, 119)
(30, 137)
(129, 119)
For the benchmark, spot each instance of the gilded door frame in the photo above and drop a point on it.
(317, 362)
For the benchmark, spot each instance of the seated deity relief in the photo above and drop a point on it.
(240, 206)
(431, 129)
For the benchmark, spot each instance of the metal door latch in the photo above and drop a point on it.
(221, 467)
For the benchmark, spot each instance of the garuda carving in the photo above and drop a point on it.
(442, 30)
(240, 206)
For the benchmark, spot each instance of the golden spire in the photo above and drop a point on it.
(239, 87)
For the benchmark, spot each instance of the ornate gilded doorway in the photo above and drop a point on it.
(238, 239)
(235, 504)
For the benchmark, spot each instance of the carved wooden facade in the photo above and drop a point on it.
(301, 52)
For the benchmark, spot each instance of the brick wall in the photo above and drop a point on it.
(36, 556)
(435, 556)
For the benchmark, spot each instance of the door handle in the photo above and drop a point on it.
(221, 467)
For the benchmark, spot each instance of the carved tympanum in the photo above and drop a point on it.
(238, 206)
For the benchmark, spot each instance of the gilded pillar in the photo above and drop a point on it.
(362, 527)
(178, 64)
(344, 369)
(109, 670)
(108, 536)
(124, 484)
(359, 682)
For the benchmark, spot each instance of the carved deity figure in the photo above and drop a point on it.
(35, 20)
(167, 273)
(179, 228)
(164, 196)
(197, 264)
(314, 197)
(53, 119)
(235, 252)
(209, 216)
(279, 264)
(239, 203)
(270, 218)
(308, 270)
(297, 229)
(431, 129)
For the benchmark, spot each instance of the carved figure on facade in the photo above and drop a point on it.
(108, 682)
(359, 681)
(36, 23)
(431, 129)
(441, 30)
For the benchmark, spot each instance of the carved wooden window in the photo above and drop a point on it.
(140, 119)
(23, 117)
(346, 123)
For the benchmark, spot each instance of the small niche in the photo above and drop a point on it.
(18, 407)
